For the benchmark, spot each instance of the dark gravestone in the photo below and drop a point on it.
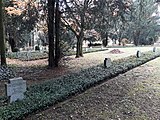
(138, 54)
(107, 62)
(154, 49)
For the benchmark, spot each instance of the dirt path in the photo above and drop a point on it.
(134, 95)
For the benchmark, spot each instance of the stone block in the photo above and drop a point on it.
(15, 89)
(107, 62)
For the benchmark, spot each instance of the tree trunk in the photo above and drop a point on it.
(57, 28)
(136, 38)
(78, 47)
(106, 39)
(81, 44)
(12, 43)
(80, 37)
(2, 40)
(79, 52)
(51, 6)
(119, 38)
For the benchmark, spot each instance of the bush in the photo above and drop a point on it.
(15, 49)
(94, 44)
(27, 55)
(40, 96)
(89, 51)
(37, 48)
(6, 73)
(24, 56)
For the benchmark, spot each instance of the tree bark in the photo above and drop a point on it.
(51, 6)
(119, 38)
(12, 43)
(136, 38)
(81, 44)
(78, 47)
(2, 36)
(79, 52)
(57, 40)
(106, 39)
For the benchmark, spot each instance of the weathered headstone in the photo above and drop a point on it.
(15, 89)
(17, 54)
(107, 62)
(75, 49)
(101, 47)
(86, 49)
(28, 55)
(138, 54)
(154, 49)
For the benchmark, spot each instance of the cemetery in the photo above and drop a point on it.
(79, 60)
(50, 92)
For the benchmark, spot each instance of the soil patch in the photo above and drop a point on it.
(116, 51)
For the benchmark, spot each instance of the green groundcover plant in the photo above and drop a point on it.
(41, 96)
(24, 56)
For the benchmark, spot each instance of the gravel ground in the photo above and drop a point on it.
(134, 95)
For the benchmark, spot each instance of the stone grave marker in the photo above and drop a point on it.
(86, 49)
(138, 54)
(107, 62)
(15, 89)
(75, 49)
(28, 55)
(18, 54)
(154, 49)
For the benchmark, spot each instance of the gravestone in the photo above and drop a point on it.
(107, 62)
(28, 55)
(138, 54)
(15, 89)
(75, 49)
(18, 54)
(154, 49)
(86, 49)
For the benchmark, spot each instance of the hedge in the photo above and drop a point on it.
(41, 96)
(24, 56)
(36, 55)
(90, 50)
